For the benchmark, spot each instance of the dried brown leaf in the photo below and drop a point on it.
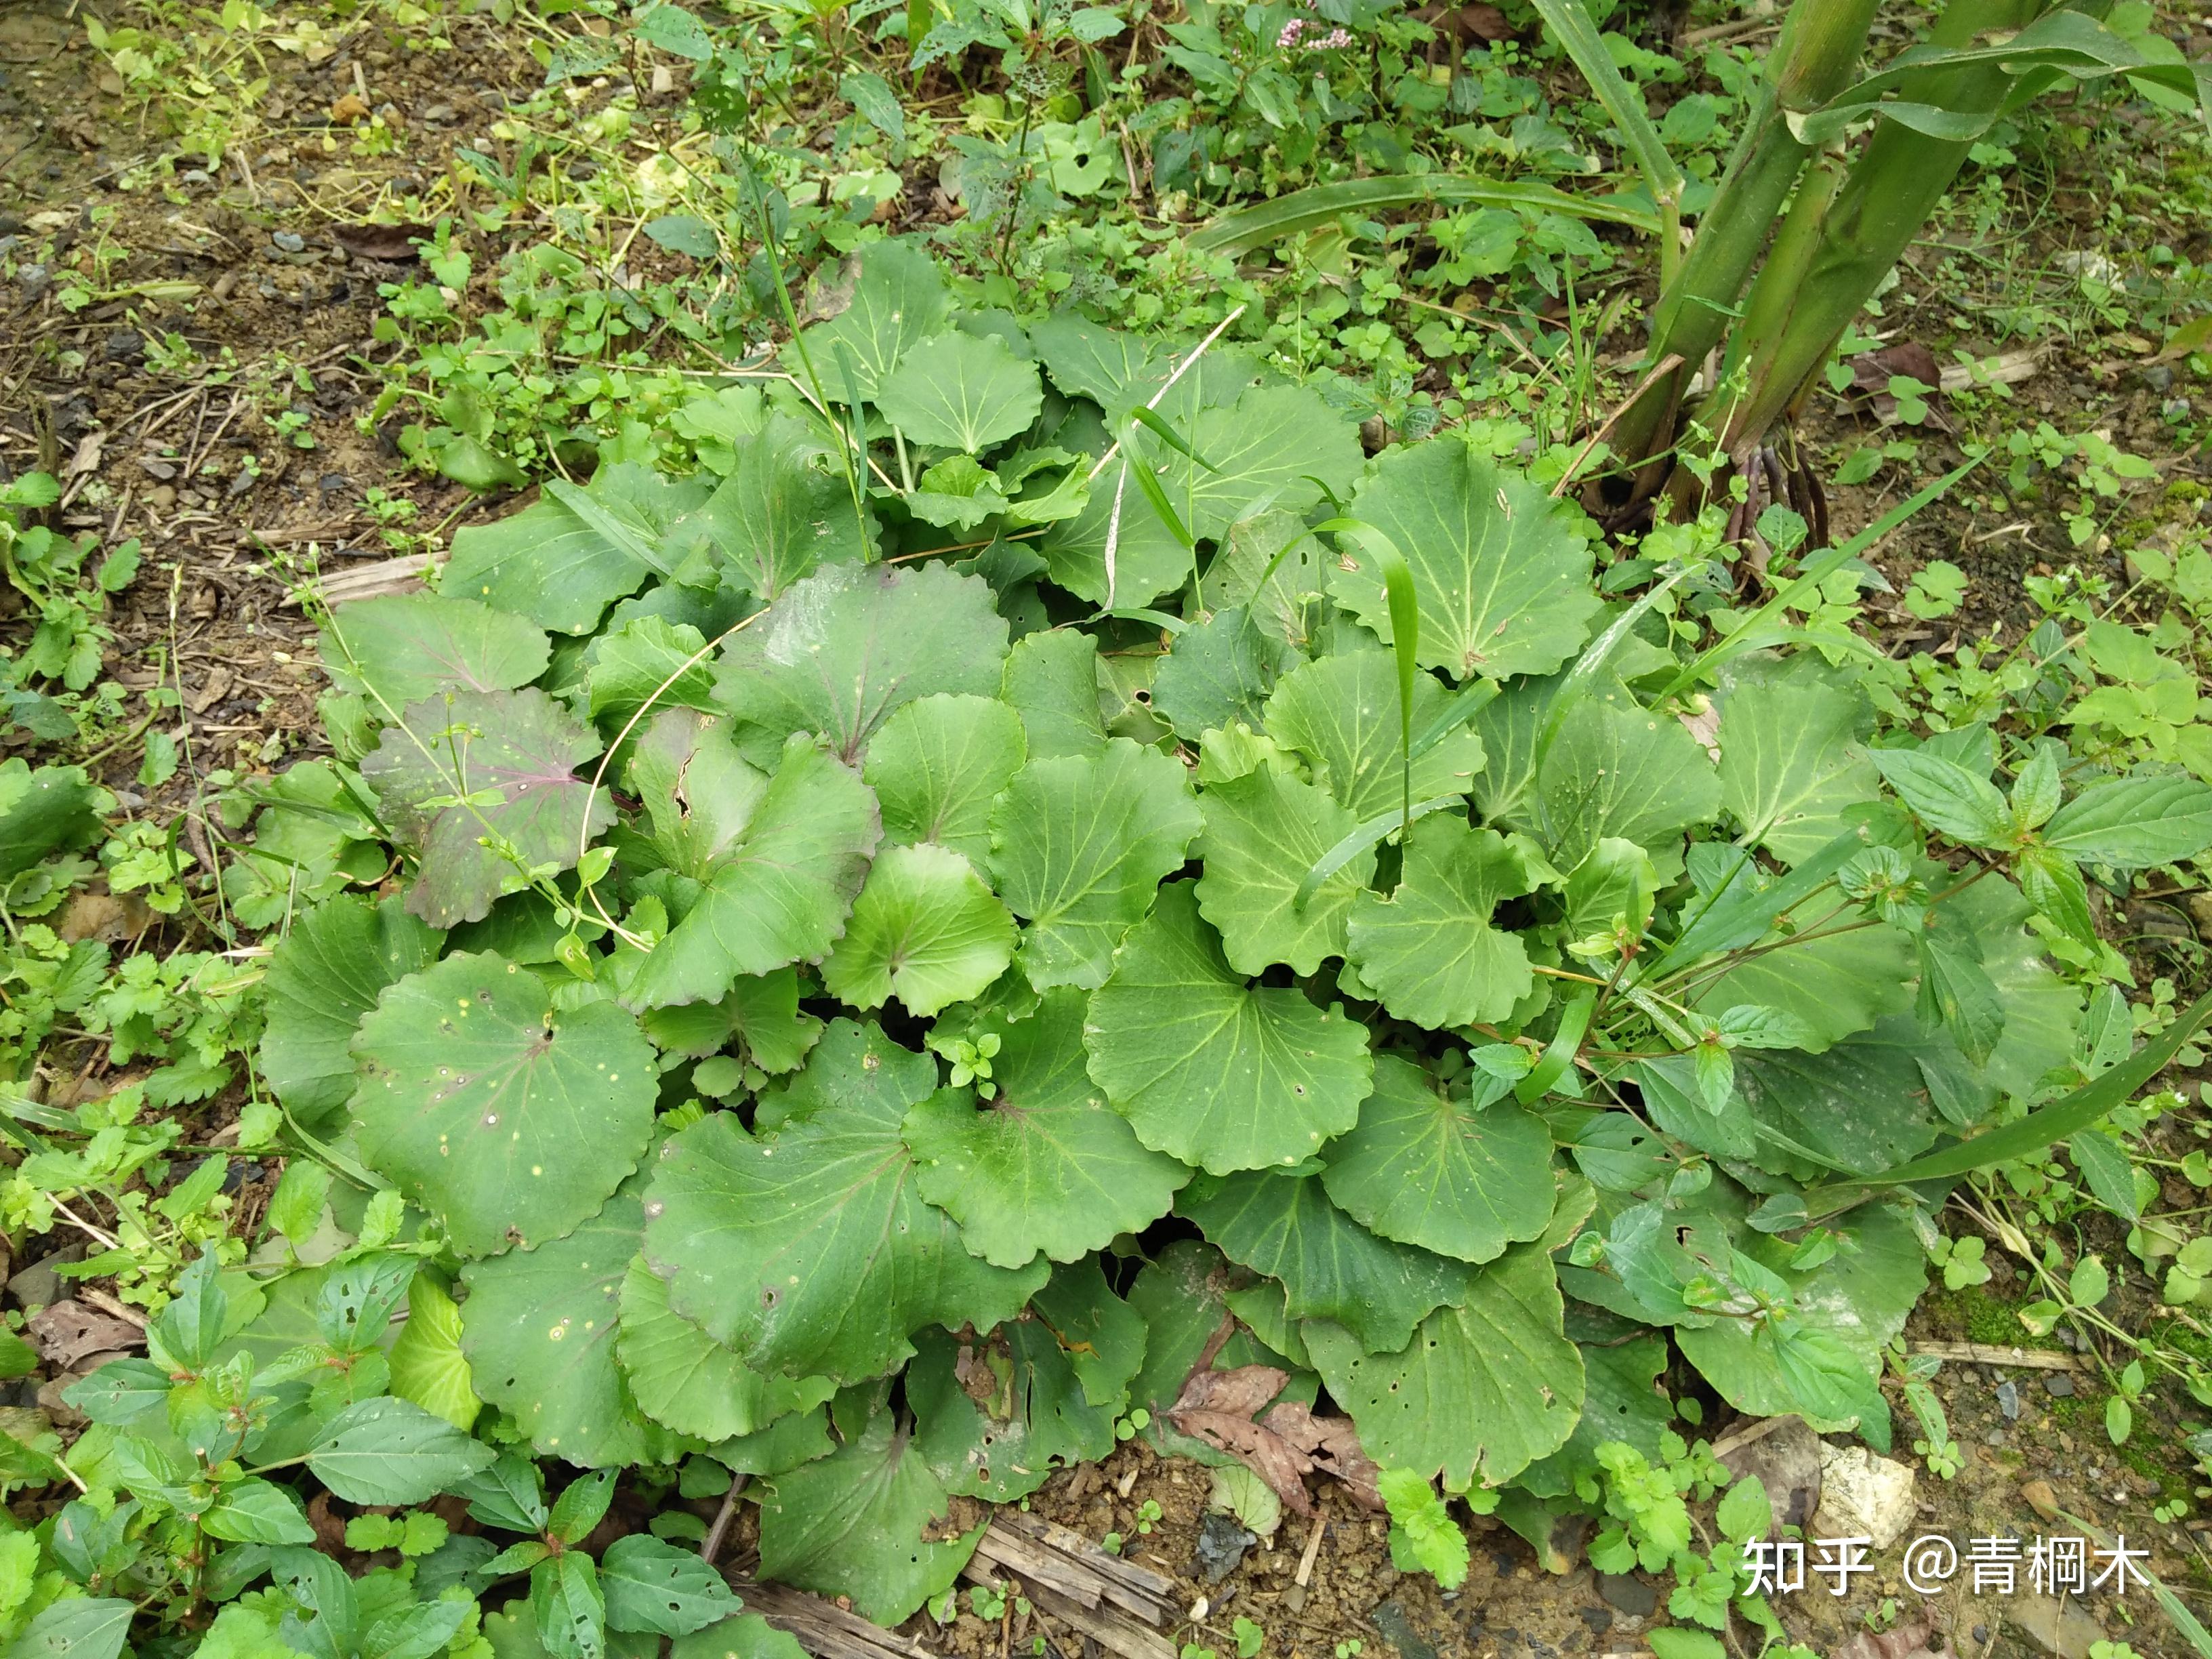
(66, 1332)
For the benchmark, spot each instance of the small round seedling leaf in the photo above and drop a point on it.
(508, 1122)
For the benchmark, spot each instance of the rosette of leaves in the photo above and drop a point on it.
(847, 954)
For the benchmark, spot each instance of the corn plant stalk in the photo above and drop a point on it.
(1821, 44)
(1845, 245)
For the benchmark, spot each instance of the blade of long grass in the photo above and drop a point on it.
(1366, 835)
(1238, 233)
(1559, 1058)
(1404, 611)
(1577, 32)
(2045, 1126)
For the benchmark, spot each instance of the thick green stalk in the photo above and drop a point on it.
(1795, 315)
(1812, 62)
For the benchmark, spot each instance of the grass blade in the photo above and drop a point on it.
(1405, 638)
(1240, 232)
(1577, 32)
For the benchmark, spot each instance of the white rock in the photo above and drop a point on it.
(1863, 1496)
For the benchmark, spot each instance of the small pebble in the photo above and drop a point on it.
(2008, 1400)
(2058, 1383)
(289, 241)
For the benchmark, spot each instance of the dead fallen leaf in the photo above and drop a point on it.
(394, 244)
(1908, 1641)
(1469, 22)
(106, 917)
(86, 457)
(1705, 726)
(1333, 1443)
(1289, 1444)
(1872, 372)
(67, 1332)
(349, 109)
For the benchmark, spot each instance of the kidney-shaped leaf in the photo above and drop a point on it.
(1044, 1164)
(1263, 832)
(1079, 844)
(682, 1377)
(1429, 950)
(508, 1121)
(1328, 1265)
(839, 652)
(925, 929)
(1209, 1069)
(1482, 1390)
(1426, 1168)
(961, 391)
(939, 763)
(1341, 714)
(401, 648)
(538, 1327)
(1501, 577)
(810, 1250)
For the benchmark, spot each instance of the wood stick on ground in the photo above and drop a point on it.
(1992, 1353)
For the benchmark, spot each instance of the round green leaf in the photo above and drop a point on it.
(402, 648)
(1615, 769)
(925, 929)
(892, 294)
(1426, 1168)
(961, 391)
(538, 1328)
(784, 511)
(939, 763)
(1329, 1265)
(1501, 576)
(1341, 714)
(860, 1523)
(810, 1250)
(1429, 950)
(1482, 1391)
(1263, 832)
(508, 1122)
(1080, 845)
(841, 651)
(682, 1377)
(473, 768)
(1043, 1164)
(324, 976)
(1210, 1070)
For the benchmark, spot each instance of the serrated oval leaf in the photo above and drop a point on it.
(1210, 1070)
(392, 1452)
(508, 1122)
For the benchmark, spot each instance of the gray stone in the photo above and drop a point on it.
(289, 241)
(2065, 1629)
(37, 1285)
(125, 345)
(1627, 1593)
(2008, 1400)
(2058, 1383)
(1397, 1629)
(1221, 1546)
